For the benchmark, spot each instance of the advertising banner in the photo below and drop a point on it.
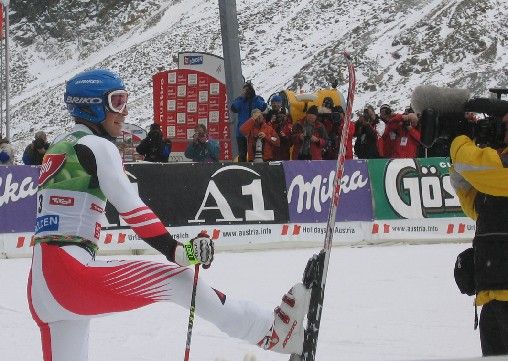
(184, 98)
(18, 189)
(309, 186)
(207, 63)
(200, 194)
(413, 189)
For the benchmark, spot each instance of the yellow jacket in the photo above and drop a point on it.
(478, 170)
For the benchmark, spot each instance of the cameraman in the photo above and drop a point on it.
(201, 148)
(309, 137)
(282, 124)
(479, 176)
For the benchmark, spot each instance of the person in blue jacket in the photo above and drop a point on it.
(243, 105)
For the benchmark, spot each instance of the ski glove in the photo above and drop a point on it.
(198, 250)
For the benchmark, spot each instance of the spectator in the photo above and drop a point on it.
(366, 144)
(202, 148)
(154, 147)
(406, 135)
(378, 124)
(309, 137)
(6, 152)
(34, 152)
(283, 125)
(389, 136)
(243, 105)
(261, 138)
(333, 121)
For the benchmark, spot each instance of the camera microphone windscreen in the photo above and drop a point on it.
(442, 100)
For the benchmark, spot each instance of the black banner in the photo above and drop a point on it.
(187, 194)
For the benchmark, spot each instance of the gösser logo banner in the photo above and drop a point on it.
(413, 189)
(18, 187)
(210, 194)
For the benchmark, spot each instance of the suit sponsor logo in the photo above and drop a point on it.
(47, 223)
(96, 208)
(61, 201)
(50, 166)
(97, 231)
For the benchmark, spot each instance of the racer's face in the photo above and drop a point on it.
(113, 123)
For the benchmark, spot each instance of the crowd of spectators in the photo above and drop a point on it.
(267, 132)
(32, 155)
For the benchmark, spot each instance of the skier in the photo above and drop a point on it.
(67, 286)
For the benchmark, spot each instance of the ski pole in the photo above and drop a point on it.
(192, 311)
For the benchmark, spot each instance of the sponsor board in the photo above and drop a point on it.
(18, 189)
(413, 189)
(439, 230)
(205, 194)
(309, 189)
(184, 98)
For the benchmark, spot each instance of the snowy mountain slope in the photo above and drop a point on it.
(396, 44)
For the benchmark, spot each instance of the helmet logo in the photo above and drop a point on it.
(82, 100)
(89, 81)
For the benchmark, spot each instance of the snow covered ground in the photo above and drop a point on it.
(382, 303)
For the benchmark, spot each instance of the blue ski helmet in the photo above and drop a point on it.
(86, 94)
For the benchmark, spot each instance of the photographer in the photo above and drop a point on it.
(244, 104)
(202, 149)
(153, 147)
(261, 138)
(333, 121)
(309, 137)
(403, 133)
(282, 124)
(366, 139)
(34, 152)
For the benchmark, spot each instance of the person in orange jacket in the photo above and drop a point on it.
(309, 137)
(262, 139)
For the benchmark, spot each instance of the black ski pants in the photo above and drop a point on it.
(494, 328)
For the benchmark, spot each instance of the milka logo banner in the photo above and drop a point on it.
(18, 189)
(413, 189)
(309, 190)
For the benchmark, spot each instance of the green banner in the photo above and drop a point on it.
(413, 188)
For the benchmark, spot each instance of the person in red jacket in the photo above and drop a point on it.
(261, 138)
(309, 137)
(406, 135)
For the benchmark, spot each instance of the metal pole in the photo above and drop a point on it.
(7, 112)
(232, 60)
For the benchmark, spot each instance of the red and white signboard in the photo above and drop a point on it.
(185, 97)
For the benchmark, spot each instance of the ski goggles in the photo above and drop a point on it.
(117, 100)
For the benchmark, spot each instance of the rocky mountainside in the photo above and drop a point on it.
(396, 45)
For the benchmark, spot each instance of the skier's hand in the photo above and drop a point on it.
(198, 250)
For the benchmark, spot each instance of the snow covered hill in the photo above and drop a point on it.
(396, 45)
